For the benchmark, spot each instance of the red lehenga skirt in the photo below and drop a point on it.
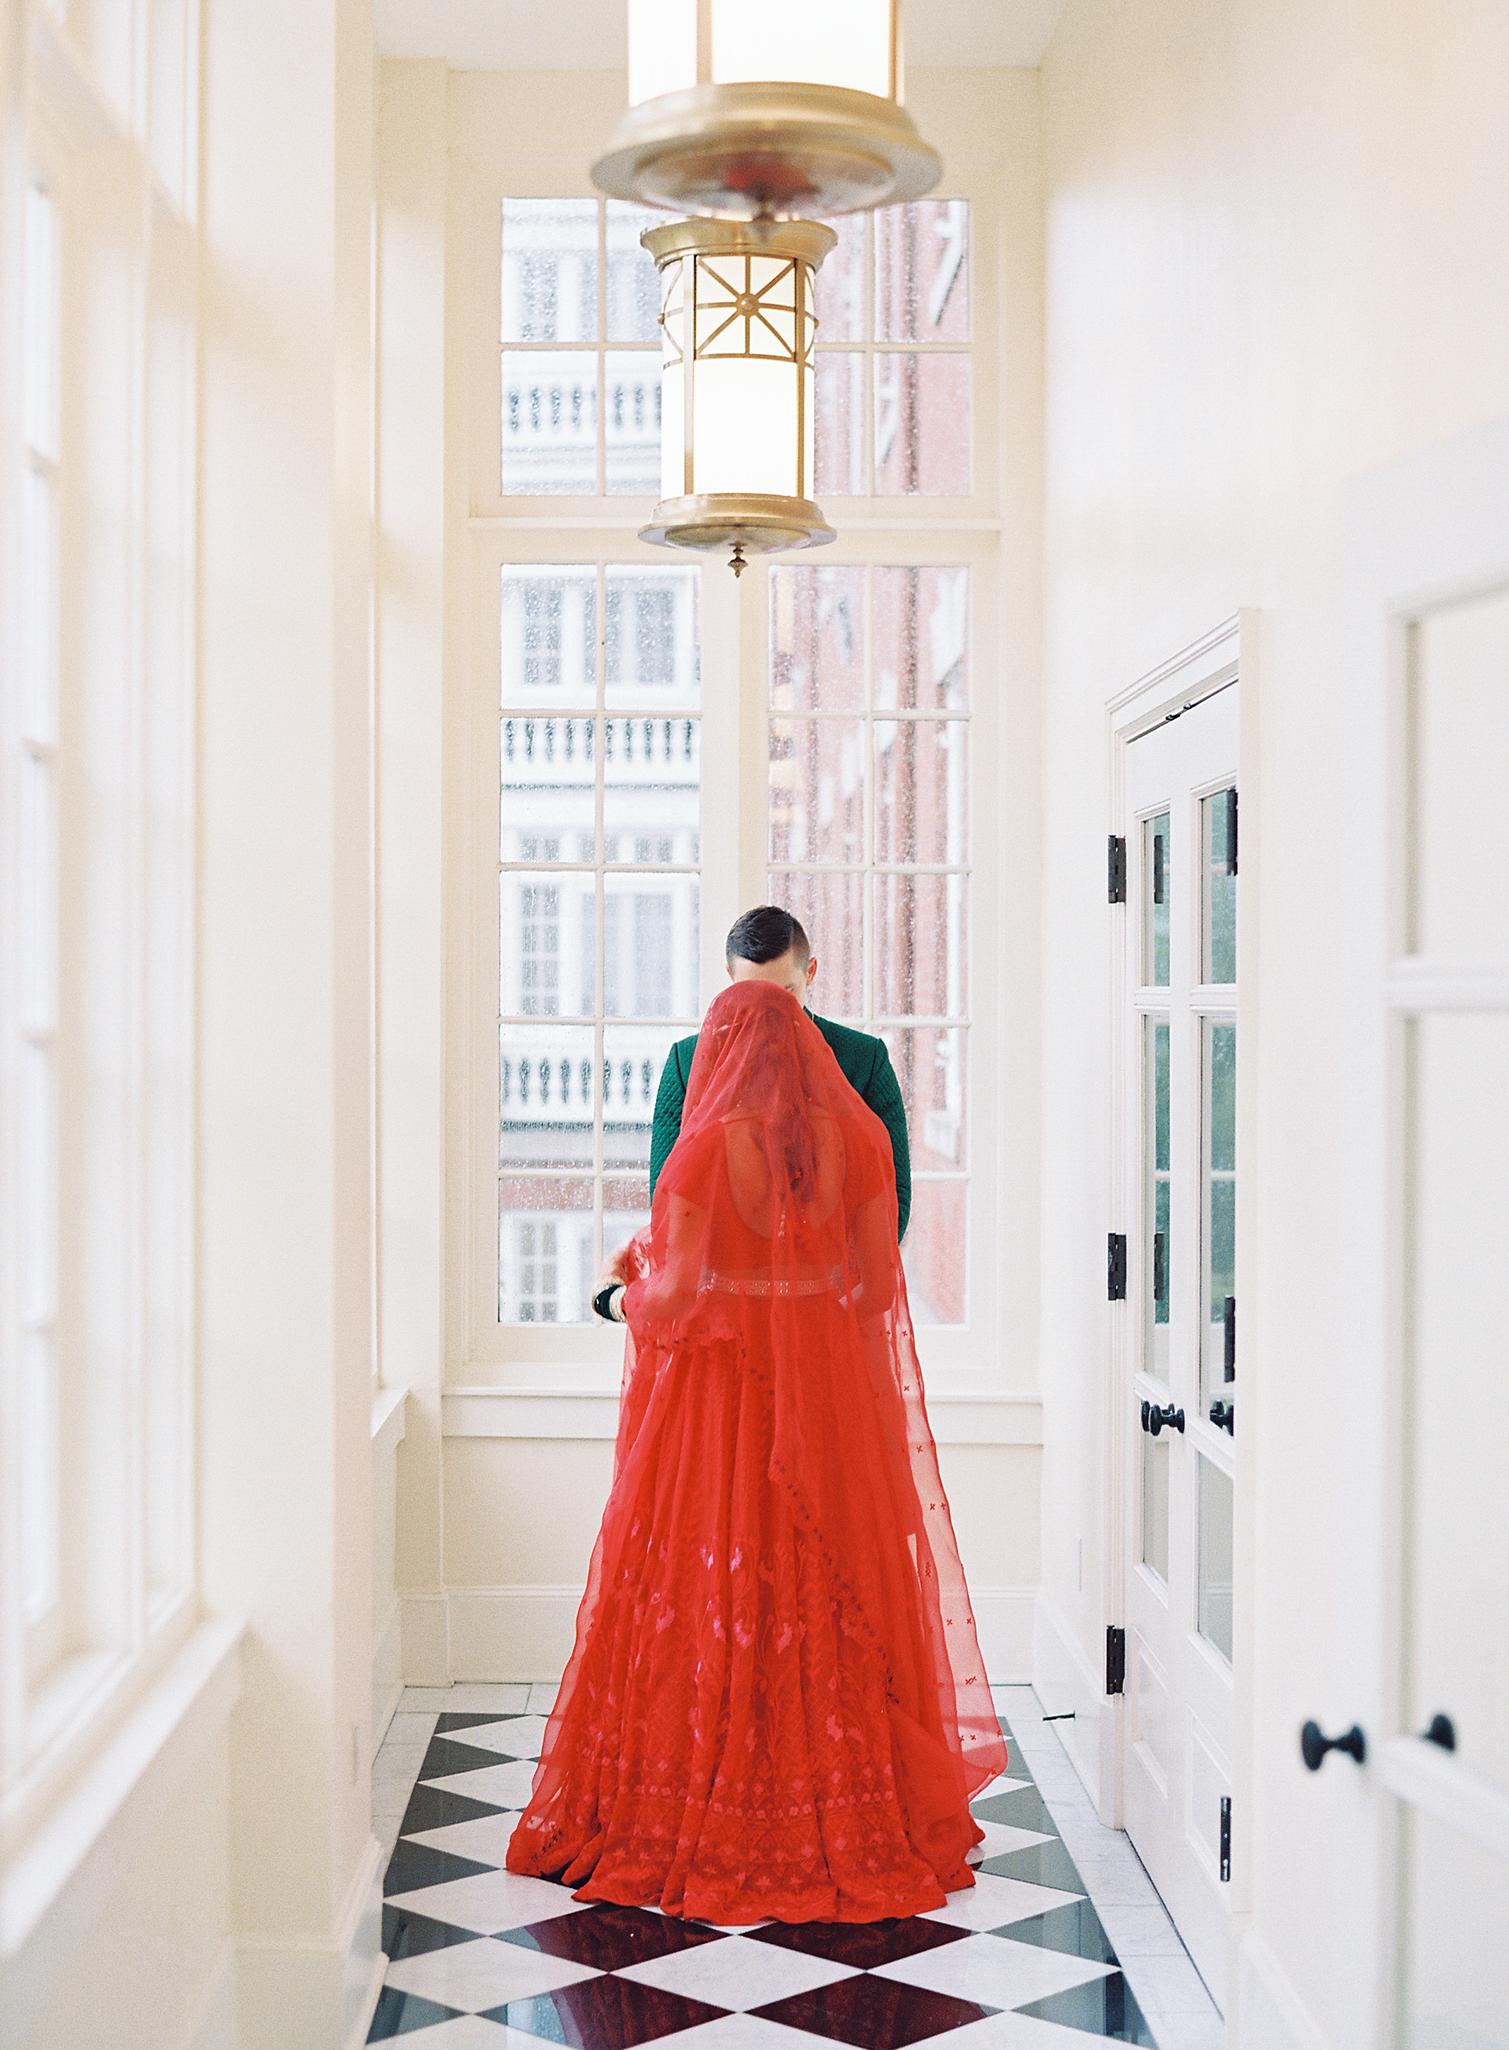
(775, 1707)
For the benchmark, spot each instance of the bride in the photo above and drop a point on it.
(775, 1707)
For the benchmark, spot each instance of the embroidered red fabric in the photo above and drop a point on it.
(775, 1706)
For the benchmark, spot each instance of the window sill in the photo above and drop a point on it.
(389, 1418)
(189, 1699)
(478, 1411)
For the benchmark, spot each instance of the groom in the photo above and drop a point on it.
(769, 943)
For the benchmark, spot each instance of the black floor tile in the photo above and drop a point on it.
(1046, 1864)
(1023, 1808)
(405, 1934)
(414, 1865)
(603, 2014)
(471, 1720)
(396, 2013)
(609, 1937)
(1074, 1929)
(878, 2014)
(436, 1807)
(1103, 2008)
(861, 1944)
(447, 1754)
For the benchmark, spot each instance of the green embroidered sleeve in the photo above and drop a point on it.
(883, 1094)
(667, 1125)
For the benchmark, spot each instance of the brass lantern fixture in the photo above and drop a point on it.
(737, 329)
(747, 109)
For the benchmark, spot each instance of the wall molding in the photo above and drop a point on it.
(480, 1411)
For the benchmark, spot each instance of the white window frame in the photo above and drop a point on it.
(109, 121)
(565, 1381)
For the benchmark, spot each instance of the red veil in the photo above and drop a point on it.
(776, 1704)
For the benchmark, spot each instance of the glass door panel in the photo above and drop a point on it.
(1157, 1194)
(1218, 1209)
(1156, 890)
(1218, 844)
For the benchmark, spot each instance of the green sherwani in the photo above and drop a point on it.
(865, 1064)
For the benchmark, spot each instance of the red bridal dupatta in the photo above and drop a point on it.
(775, 1707)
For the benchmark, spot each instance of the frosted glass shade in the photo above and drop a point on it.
(737, 381)
(849, 43)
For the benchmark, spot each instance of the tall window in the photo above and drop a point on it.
(674, 747)
(97, 517)
(600, 795)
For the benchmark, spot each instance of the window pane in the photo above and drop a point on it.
(1215, 1575)
(652, 771)
(546, 944)
(1156, 880)
(549, 635)
(922, 638)
(650, 643)
(1219, 1098)
(633, 294)
(549, 270)
(550, 421)
(839, 295)
(633, 1057)
(830, 907)
(1218, 839)
(546, 1095)
(549, 800)
(920, 937)
(930, 1065)
(920, 790)
(626, 1204)
(650, 948)
(631, 421)
(545, 1249)
(934, 1252)
(922, 272)
(1156, 1143)
(839, 428)
(817, 794)
(922, 424)
(816, 638)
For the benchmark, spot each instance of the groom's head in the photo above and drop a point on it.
(770, 944)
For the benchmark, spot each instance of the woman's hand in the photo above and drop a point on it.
(615, 1267)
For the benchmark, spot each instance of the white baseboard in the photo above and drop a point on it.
(1269, 2013)
(304, 1994)
(1067, 1684)
(526, 1632)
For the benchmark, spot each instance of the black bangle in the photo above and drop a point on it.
(602, 1301)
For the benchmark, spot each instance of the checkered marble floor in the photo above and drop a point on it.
(480, 1958)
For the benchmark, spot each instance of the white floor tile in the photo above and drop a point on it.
(994, 1900)
(467, 2032)
(1140, 1930)
(542, 1695)
(489, 1901)
(397, 1762)
(1190, 2032)
(993, 1971)
(502, 1697)
(727, 2032)
(737, 1972)
(410, 1726)
(484, 1838)
(1010, 2032)
(484, 1974)
(1000, 1838)
(518, 1736)
(506, 1785)
(1168, 1985)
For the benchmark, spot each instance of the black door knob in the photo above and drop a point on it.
(1224, 1416)
(1154, 1419)
(1314, 1744)
(1442, 1731)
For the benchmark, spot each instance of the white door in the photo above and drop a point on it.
(1178, 1374)
(1429, 1264)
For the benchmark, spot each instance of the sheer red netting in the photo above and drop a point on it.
(775, 1706)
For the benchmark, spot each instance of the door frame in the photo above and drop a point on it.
(1426, 531)
(1219, 657)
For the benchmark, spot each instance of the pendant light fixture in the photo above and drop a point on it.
(745, 109)
(736, 367)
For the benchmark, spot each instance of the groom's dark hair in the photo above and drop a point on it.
(766, 933)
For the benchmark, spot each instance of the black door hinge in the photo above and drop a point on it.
(1226, 1836)
(1231, 831)
(1229, 1338)
(1116, 1266)
(1116, 1658)
(1116, 869)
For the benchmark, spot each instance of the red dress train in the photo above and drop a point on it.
(775, 1706)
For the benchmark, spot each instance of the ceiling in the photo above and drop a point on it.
(588, 35)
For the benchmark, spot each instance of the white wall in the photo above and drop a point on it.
(1276, 243)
